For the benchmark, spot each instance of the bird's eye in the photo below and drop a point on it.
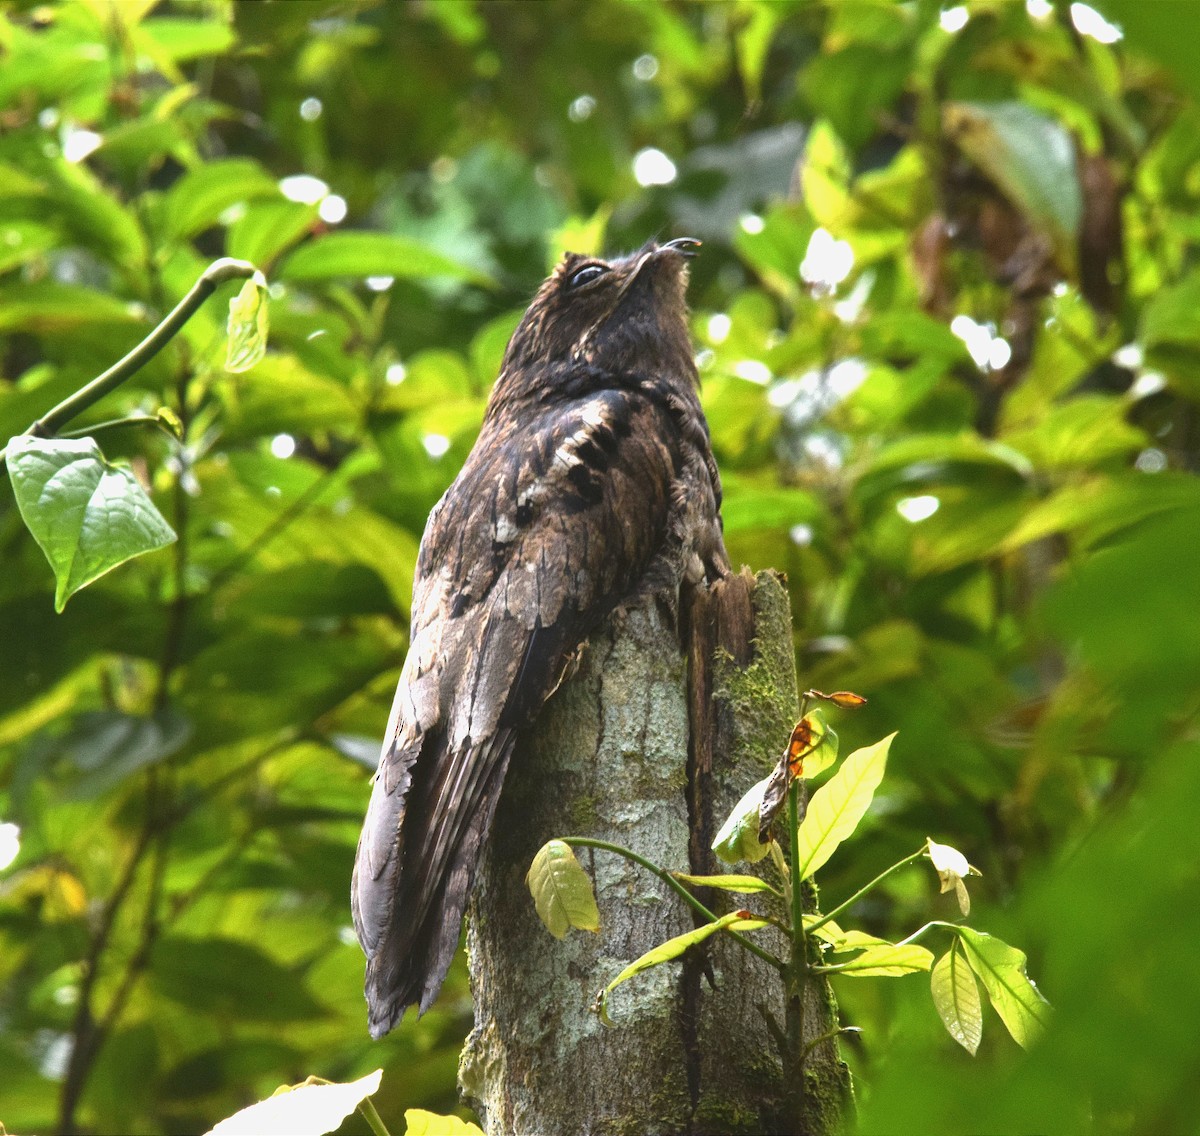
(586, 275)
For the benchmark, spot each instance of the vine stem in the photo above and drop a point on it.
(213, 276)
(676, 886)
(830, 916)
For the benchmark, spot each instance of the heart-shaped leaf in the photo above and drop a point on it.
(87, 516)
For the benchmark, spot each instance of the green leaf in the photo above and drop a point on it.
(824, 744)
(422, 1123)
(957, 998)
(826, 175)
(223, 978)
(1172, 315)
(301, 1110)
(674, 947)
(841, 941)
(1030, 157)
(741, 885)
(268, 229)
(197, 200)
(247, 326)
(86, 515)
(107, 746)
(738, 838)
(836, 808)
(50, 309)
(181, 39)
(562, 890)
(1001, 969)
(372, 254)
(886, 960)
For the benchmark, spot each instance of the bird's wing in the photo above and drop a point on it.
(553, 520)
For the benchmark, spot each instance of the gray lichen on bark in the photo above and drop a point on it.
(647, 746)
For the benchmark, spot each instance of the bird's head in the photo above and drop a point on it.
(624, 316)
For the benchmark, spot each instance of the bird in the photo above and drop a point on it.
(592, 483)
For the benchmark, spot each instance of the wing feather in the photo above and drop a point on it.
(528, 551)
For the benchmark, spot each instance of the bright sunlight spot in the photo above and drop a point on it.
(645, 67)
(396, 374)
(827, 262)
(718, 327)
(753, 370)
(953, 19)
(10, 843)
(303, 188)
(989, 351)
(283, 445)
(914, 509)
(653, 167)
(581, 108)
(436, 445)
(1089, 22)
(332, 210)
(78, 144)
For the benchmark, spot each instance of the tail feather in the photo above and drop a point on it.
(408, 910)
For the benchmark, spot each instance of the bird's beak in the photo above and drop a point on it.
(685, 246)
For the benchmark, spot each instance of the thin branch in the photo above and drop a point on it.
(272, 529)
(216, 274)
(116, 423)
(830, 916)
(675, 885)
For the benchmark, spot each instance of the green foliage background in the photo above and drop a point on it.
(186, 749)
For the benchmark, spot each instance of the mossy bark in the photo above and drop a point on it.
(649, 745)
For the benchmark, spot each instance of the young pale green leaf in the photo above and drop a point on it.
(824, 749)
(885, 960)
(673, 948)
(738, 838)
(741, 885)
(957, 998)
(86, 515)
(247, 326)
(1001, 969)
(841, 941)
(836, 808)
(301, 1110)
(561, 890)
(421, 1123)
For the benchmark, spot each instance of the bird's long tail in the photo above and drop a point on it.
(415, 866)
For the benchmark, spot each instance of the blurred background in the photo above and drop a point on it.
(948, 324)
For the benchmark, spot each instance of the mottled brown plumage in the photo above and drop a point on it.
(592, 481)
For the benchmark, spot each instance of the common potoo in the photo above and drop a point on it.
(592, 482)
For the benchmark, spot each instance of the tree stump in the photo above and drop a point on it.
(649, 745)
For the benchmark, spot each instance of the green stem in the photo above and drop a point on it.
(115, 423)
(797, 971)
(793, 807)
(830, 916)
(216, 274)
(675, 885)
(372, 1117)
